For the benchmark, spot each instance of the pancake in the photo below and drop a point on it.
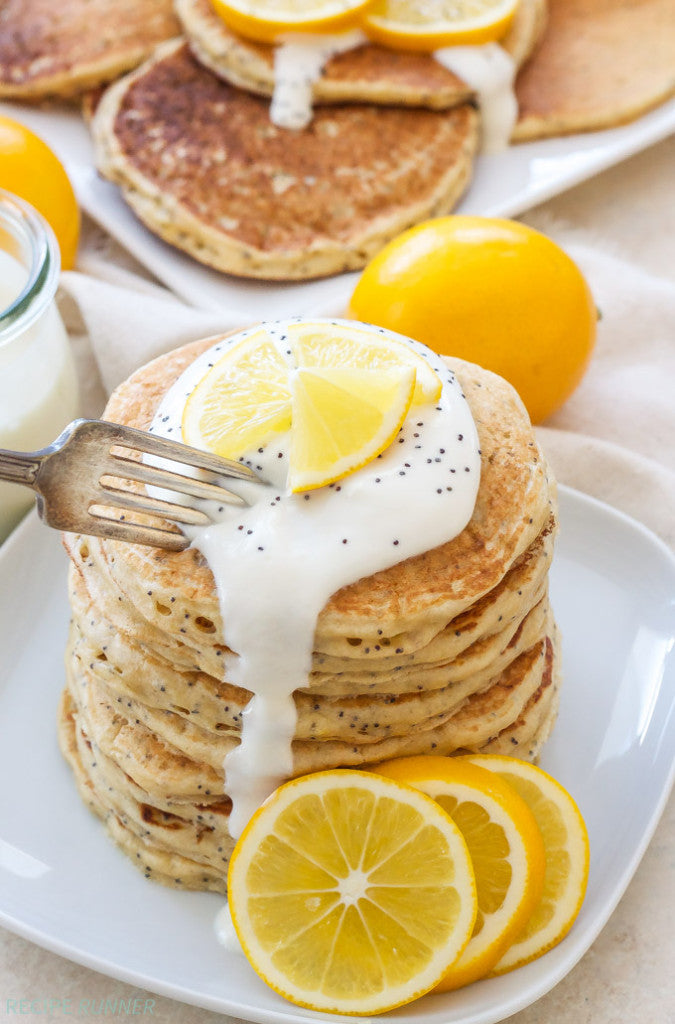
(120, 637)
(175, 760)
(411, 601)
(152, 688)
(368, 73)
(202, 166)
(62, 49)
(182, 840)
(599, 64)
(450, 651)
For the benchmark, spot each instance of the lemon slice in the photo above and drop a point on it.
(351, 893)
(431, 24)
(567, 856)
(342, 390)
(343, 419)
(506, 850)
(266, 20)
(362, 346)
(242, 401)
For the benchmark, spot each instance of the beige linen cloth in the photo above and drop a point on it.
(614, 439)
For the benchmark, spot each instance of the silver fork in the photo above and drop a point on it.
(79, 481)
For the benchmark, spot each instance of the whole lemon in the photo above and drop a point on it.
(30, 170)
(490, 291)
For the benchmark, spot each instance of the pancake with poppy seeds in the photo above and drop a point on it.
(202, 166)
(365, 73)
(151, 683)
(165, 806)
(129, 625)
(449, 651)
(479, 719)
(599, 64)
(409, 603)
(63, 49)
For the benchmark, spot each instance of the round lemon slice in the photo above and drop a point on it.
(266, 20)
(506, 848)
(567, 857)
(343, 390)
(351, 893)
(431, 24)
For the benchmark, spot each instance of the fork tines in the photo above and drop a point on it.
(113, 453)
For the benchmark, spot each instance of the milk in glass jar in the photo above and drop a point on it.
(38, 388)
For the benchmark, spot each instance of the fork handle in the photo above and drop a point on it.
(19, 467)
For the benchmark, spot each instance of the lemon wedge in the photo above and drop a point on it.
(506, 849)
(343, 390)
(567, 857)
(342, 419)
(431, 24)
(351, 893)
(266, 20)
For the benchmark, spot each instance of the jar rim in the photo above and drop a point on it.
(35, 238)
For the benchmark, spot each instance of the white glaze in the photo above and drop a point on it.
(277, 562)
(299, 59)
(225, 933)
(490, 71)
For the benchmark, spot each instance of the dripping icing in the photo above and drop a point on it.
(299, 60)
(264, 558)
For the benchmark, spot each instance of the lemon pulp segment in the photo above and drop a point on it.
(367, 348)
(343, 419)
(243, 400)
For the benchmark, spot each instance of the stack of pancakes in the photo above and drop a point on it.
(453, 650)
(189, 140)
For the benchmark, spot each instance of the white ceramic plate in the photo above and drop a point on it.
(504, 185)
(66, 887)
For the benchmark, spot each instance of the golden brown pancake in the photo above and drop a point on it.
(368, 73)
(453, 650)
(202, 166)
(63, 47)
(412, 601)
(600, 63)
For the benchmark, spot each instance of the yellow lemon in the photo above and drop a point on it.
(351, 893)
(342, 419)
(343, 390)
(30, 170)
(266, 20)
(491, 291)
(425, 25)
(567, 857)
(506, 849)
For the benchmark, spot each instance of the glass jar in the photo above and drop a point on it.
(38, 385)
